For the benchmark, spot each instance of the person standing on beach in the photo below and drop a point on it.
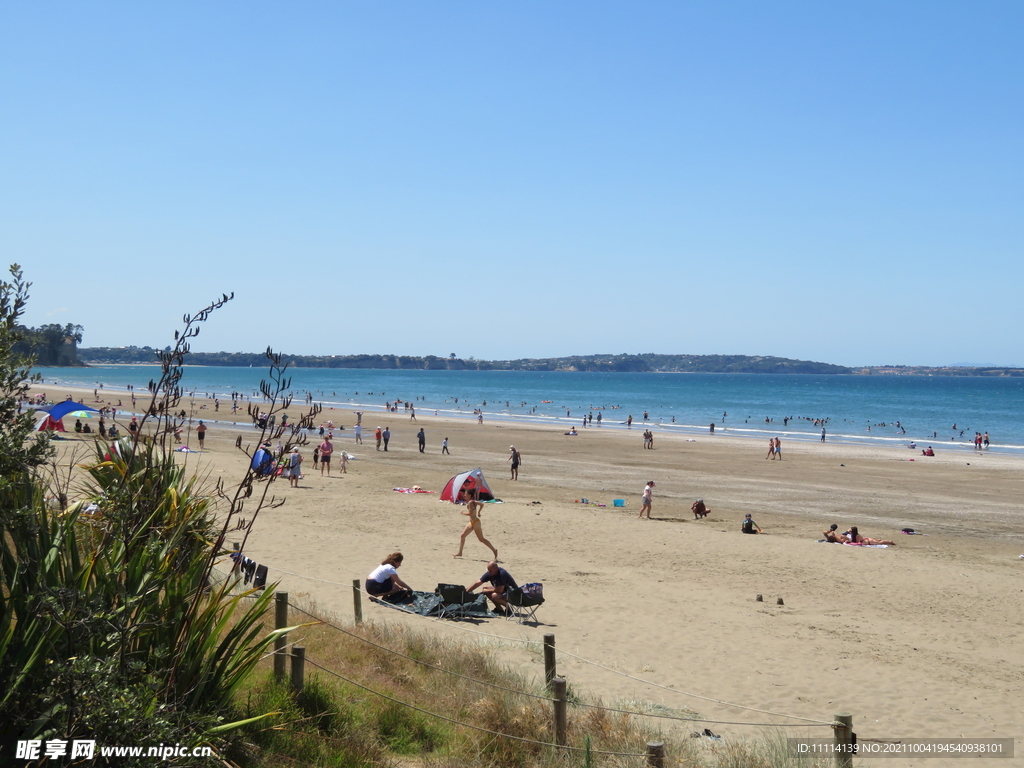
(515, 459)
(201, 434)
(326, 449)
(294, 467)
(422, 437)
(823, 434)
(358, 429)
(377, 434)
(646, 500)
(386, 434)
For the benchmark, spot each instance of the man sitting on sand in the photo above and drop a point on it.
(749, 526)
(500, 581)
(699, 510)
(834, 536)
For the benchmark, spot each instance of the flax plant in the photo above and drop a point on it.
(110, 623)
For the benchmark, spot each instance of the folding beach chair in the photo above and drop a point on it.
(453, 598)
(524, 602)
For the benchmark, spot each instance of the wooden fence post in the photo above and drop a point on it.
(298, 667)
(549, 660)
(280, 621)
(357, 600)
(558, 686)
(656, 754)
(843, 730)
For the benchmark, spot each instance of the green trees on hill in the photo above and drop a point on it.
(601, 363)
(51, 344)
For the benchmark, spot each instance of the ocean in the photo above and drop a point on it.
(858, 409)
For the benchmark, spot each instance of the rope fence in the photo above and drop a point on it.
(805, 721)
(468, 725)
(841, 723)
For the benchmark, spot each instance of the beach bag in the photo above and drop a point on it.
(534, 590)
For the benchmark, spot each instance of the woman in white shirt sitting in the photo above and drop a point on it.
(384, 581)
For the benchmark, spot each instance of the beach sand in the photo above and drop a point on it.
(920, 640)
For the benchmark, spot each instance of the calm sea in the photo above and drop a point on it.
(926, 407)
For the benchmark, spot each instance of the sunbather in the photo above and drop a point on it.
(856, 538)
(833, 535)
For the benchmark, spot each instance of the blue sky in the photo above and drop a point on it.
(836, 182)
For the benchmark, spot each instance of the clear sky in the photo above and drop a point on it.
(830, 181)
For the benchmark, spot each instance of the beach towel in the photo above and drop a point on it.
(429, 604)
(411, 490)
(867, 546)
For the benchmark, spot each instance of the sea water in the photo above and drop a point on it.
(858, 408)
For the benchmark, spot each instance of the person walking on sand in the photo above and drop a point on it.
(646, 499)
(377, 435)
(359, 434)
(515, 459)
(771, 449)
(421, 436)
(343, 463)
(326, 449)
(778, 448)
(201, 434)
(386, 434)
(412, 413)
(472, 510)
(444, 446)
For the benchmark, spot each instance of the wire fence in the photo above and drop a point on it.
(479, 728)
(804, 721)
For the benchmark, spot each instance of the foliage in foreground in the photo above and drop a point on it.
(111, 628)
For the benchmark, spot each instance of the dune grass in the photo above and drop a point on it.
(336, 723)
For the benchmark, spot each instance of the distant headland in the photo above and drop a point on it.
(650, 362)
(643, 363)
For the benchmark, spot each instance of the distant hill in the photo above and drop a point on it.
(650, 362)
(943, 370)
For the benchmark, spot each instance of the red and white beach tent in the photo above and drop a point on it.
(472, 479)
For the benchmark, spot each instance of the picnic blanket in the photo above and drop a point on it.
(429, 604)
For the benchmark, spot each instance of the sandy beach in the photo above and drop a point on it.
(919, 640)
